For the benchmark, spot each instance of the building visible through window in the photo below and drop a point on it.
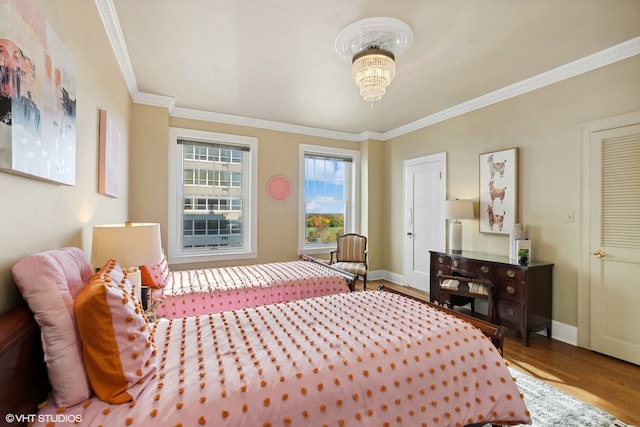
(212, 193)
(213, 213)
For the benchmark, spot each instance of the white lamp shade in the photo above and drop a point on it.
(458, 209)
(131, 244)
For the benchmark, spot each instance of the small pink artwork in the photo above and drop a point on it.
(279, 188)
(109, 166)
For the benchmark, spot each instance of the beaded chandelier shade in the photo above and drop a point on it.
(372, 46)
(373, 69)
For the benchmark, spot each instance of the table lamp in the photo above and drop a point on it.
(131, 244)
(456, 210)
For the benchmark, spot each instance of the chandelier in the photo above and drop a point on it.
(372, 45)
(373, 69)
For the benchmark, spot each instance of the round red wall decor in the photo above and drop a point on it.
(279, 188)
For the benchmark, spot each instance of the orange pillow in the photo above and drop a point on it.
(155, 275)
(117, 348)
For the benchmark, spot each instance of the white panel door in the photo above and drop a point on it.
(424, 181)
(614, 241)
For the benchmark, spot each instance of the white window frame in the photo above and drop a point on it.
(176, 254)
(352, 183)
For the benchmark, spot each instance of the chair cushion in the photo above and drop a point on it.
(352, 249)
(478, 288)
(449, 284)
(351, 267)
(473, 287)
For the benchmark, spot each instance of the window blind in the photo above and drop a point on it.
(621, 192)
(327, 157)
(220, 146)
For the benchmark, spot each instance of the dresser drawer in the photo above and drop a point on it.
(441, 269)
(511, 314)
(511, 290)
(476, 268)
(437, 259)
(508, 272)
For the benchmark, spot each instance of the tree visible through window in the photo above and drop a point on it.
(328, 195)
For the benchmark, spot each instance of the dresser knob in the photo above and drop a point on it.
(440, 260)
(455, 263)
(511, 290)
(510, 311)
(511, 273)
(484, 269)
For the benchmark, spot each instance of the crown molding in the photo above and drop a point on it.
(230, 119)
(154, 100)
(599, 59)
(110, 21)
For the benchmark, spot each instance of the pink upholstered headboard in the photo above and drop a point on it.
(23, 373)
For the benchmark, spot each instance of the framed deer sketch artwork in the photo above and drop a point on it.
(498, 191)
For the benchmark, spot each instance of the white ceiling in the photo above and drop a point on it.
(273, 62)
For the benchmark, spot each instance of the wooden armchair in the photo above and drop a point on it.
(351, 255)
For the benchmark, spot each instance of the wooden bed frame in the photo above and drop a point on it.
(349, 277)
(495, 333)
(23, 373)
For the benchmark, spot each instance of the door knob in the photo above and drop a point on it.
(598, 254)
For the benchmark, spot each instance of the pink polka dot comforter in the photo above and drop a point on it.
(352, 359)
(213, 290)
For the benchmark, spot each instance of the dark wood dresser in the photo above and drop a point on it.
(523, 293)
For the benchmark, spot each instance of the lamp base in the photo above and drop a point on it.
(455, 237)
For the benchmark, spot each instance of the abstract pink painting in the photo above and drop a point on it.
(37, 96)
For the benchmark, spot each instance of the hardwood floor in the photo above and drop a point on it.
(602, 381)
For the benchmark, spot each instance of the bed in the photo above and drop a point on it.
(211, 290)
(371, 358)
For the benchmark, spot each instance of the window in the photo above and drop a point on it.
(328, 205)
(212, 203)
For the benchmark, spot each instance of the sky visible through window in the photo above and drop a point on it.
(324, 186)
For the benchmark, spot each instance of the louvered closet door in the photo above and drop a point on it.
(615, 242)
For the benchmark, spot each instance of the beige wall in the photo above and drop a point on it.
(544, 125)
(371, 156)
(277, 155)
(37, 215)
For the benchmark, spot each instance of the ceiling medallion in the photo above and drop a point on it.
(372, 45)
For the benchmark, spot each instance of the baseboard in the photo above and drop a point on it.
(563, 332)
(559, 331)
(398, 279)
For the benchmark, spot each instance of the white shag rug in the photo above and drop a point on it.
(551, 407)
